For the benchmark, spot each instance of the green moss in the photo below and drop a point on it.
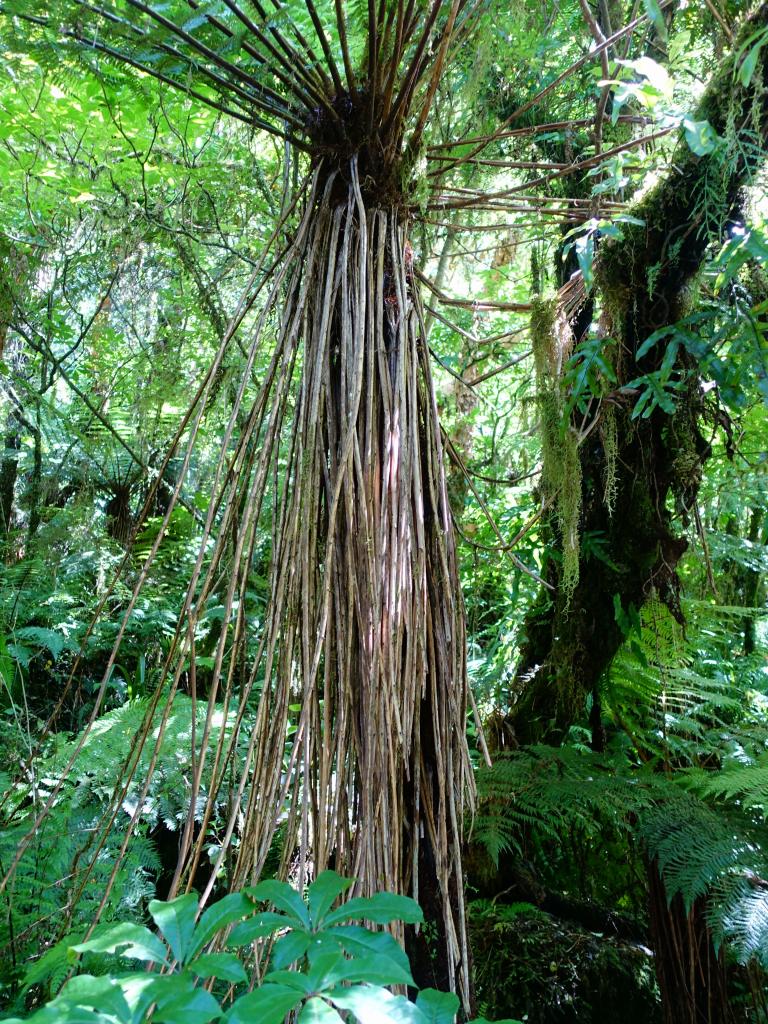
(610, 437)
(561, 470)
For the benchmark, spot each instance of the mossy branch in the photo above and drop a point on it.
(644, 273)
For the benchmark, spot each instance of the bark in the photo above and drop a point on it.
(9, 471)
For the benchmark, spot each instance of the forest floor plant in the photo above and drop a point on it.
(321, 967)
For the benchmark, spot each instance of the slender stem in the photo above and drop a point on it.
(341, 25)
(324, 45)
(596, 51)
(308, 95)
(437, 71)
(373, 59)
(411, 77)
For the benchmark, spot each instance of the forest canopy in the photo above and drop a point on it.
(383, 400)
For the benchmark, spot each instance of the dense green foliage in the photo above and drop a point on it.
(338, 966)
(587, 226)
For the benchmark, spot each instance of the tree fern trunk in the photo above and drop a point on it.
(360, 719)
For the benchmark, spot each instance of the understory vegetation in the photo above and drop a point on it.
(383, 535)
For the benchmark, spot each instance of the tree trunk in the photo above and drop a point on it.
(363, 648)
(571, 639)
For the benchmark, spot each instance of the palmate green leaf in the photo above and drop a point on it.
(438, 1007)
(505, 1020)
(258, 927)
(371, 969)
(383, 908)
(357, 941)
(282, 896)
(292, 979)
(326, 888)
(328, 967)
(231, 908)
(317, 1011)
(371, 1004)
(128, 940)
(179, 1001)
(102, 994)
(267, 1005)
(176, 920)
(219, 965)
(53, 1014)
(87, 999)
(290, 948)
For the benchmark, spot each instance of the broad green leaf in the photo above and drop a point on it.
(226, 911)
(293, 979)
(289, 948)
(317, 1011)
(748, 65)
(357, 941)
(383, 908)
(57, 1013)
(100, 993)
(701, 137)
(219, 965)
(438, 1007)
(257, 927)
(186, 1004)
(128, 940)
(370, 969)
(371, 1004)
(585, 255)
(282, 896)
(656, 18)
(267, 1005)
(176, 920)
(327, 887)
(651, 341)
(483, 1020)
(140, 990)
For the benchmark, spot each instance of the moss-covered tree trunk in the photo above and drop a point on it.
(649, 466)
(641, 282)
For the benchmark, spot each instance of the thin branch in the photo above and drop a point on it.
(341, 25)
(324, 45)
(596, 51)
(511, 307)
(574, 168)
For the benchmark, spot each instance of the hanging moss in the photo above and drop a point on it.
(610, 438)
(561, 473)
